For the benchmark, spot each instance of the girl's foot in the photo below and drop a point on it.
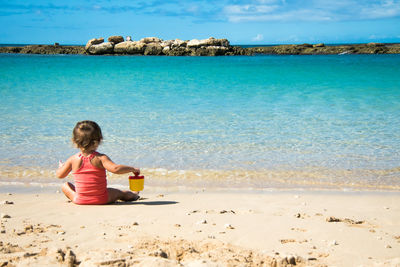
(131, 196)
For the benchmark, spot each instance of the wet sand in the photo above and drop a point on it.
(203, 229)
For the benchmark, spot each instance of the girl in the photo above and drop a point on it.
(89, 170)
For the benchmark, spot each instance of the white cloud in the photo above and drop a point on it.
(249, 9)
(312, 10)
(269, 1)
(303, 15)
(258, 38)
(385, 9)
(192, 9)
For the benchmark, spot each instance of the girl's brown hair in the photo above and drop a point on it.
(86, 134)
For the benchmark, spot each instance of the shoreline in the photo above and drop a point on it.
(207, 229)
(31, 187)
(266, 180)
(294, 49)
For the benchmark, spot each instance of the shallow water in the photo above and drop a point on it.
(262, 121)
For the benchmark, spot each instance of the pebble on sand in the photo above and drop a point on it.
(229, 226)
(5, 216)
(333, 243)
(333, 219)
(225, 211)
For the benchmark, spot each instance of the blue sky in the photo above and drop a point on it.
(241, 22)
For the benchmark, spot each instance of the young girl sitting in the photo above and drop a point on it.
(89, 170)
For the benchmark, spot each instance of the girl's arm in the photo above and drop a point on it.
(64, 169)
(110, 166)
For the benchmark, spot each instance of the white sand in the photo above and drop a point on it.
(204, 229)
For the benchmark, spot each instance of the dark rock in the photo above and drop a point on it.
(375, 44)
(209, 51)
(179, 51)
(44, 49)
(116, 39)
(162, 254)
(10, 49)
(291, 260)
(333, 219)
(137, 48)
(153, 49)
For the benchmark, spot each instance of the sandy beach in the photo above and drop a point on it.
(203, 229)
(267, 132)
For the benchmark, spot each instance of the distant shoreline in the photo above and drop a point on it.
(238, 45)
(240, 49)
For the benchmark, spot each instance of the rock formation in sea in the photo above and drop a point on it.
(117, 45)
(156, 46)
(44, 49)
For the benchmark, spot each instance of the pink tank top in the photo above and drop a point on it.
(90, 183)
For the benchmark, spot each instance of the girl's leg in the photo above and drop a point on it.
(116, 194)
(68, 190)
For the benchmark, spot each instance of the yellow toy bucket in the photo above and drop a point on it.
(136, 183)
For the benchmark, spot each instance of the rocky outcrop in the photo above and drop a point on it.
(129, 47)
(115, 39)
(101, 49)
(121, 47)
(149, 40)
(153, 49)
(319, 45)
(44, 49)
(375, 44)
(211, 51)
(155, 46)
(322, 49)
(94, 41)
(208, 42)
(205, 47)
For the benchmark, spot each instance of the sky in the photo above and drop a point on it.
(241, 22)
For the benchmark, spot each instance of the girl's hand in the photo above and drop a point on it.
(64, 168)
(136, 171)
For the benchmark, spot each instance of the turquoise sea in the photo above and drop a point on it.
(261, 122)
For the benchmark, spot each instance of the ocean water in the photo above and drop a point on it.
(261, 122)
